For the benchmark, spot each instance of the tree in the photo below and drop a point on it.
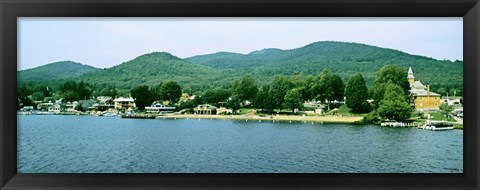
(245, 88)
(70, 96)
(394, 106)
(170, 91)
(107, 91)
(142, 96)
(393, 74)
(38, 96)
(264, 99)
(329, 87)
(309, 84)
(293, 99)
(445, 109)
(72, 91)
(42, 89)
(278, 89)
(214, 96)
(322, 88)
(356, 94)
(338, 88)
(79, 107)
(234, 103)
(82, 91)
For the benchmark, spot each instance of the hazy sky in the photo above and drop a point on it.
(105, 42)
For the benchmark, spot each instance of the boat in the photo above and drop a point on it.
(436, 125)
(393, 123)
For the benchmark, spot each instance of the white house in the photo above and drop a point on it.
(124, 103)
(157, 108)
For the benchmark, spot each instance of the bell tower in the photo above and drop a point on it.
(411, 78)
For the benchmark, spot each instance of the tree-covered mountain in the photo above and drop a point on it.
(54, 71)
(343, 58)
(204, 72)
(151, 69)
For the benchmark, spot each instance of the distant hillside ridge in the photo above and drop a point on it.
(344, 58)
(219, 70)
(54, 71)
(151, 69)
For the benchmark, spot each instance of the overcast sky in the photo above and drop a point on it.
(105, 42)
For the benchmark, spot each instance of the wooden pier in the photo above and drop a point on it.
(139, 116)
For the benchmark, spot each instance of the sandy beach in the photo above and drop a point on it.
(328, 119)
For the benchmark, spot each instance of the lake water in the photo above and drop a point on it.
(87, 144)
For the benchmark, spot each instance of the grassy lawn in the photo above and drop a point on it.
(344, 110)
(247, 110)
(440, 116)
(457, 126)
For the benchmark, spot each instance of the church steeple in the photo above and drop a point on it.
(411, 78)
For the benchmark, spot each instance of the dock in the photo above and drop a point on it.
(139, 116)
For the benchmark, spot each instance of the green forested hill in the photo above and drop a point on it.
(342, 58)
(221, 69)
(54, 71)
(151, 69)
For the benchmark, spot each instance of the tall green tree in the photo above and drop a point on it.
(394, 106)
(142, 96)
(293, 99)
(322, 88)
(264, 99)
(23, 99)
(391, 73)
(38, 96)
(329, 87)
(356, 94)
(338, 89)
(278, 89)
(214, 96)
(307, 92)
(170, 91)
(245, 88)
(73, 91)
(445, 109)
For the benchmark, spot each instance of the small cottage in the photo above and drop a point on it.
(205, 109)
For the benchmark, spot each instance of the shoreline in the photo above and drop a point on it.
(321, 119)
(256, 118)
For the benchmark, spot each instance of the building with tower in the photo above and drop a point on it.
(420, 95)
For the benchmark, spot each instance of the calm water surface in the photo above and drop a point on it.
(86, 144)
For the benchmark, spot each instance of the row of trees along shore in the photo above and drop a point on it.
(389, 94)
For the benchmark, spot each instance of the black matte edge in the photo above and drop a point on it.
(7, 128)
(238, 8)
(2, 143)
(471, 43)
(176, 181)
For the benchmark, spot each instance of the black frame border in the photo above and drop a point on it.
(11, 9)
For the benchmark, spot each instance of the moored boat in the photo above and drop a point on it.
(436, 125)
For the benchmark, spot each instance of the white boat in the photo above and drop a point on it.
(436, 125)
(393, 123)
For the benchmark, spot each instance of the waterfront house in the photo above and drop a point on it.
(57, 108)
(420, 95)
(104, 99)
(70, 106)
(205, 109)
(44, 106)
(223, 110)
(100, 107)
(27, 109)
(124, 103)
(157, 107)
